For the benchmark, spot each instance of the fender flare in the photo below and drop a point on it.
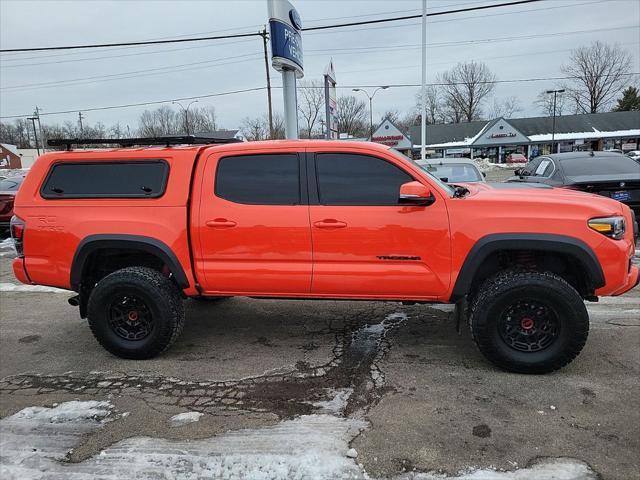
(489, 244)
(92, 243)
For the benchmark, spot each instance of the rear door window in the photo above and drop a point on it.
(125, 179)
(259, 179)
(349, 179)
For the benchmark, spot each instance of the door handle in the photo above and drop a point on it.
(329, 223)
(221, 223)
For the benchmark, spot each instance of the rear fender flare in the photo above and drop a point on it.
(150, 245)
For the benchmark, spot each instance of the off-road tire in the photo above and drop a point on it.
(495, 296)
(161, 296)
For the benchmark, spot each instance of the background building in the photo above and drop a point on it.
(495, 139)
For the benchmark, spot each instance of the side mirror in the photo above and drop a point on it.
(518, 171)
(484, 174)
(415, 193)
(444, 179)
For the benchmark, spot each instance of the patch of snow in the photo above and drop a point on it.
(7, 249)
(36, 439)
(547, 469)
(12, 287)
(185, 418)
(337, 404)
(311, 446)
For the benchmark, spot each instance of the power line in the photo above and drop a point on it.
(243, 35)
(397, 85)
(252, 56)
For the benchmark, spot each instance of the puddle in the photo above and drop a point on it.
(354, 367)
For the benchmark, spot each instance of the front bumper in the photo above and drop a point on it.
(633, 279)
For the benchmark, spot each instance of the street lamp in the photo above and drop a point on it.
(186, 113)
(370, 97)
(553, 129)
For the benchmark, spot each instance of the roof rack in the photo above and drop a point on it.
(130, 142)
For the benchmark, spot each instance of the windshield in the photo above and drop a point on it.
(453, 172)
(10, 184)
(613, 165)
(450, 191)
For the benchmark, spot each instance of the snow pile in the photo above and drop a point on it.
(485, 165)
(12, 287)
(7, 249)
(185, 418)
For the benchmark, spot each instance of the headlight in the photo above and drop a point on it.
(612, 227)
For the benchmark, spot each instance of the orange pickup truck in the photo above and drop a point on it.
(135, 230)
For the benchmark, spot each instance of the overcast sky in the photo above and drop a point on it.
(364, 55)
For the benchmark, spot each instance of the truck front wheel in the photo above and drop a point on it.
(529, 322)
(136, 312)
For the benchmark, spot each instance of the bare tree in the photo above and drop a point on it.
(544, 102)
(257, 128)
(464, 89)
(599, 71)
(310, 105)
(352, 116)
(161, 121)
(201, 120)
(505, 108)
(435, 106)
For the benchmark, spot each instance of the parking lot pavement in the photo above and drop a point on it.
(287, 388)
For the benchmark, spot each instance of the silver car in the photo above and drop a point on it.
(453, 170)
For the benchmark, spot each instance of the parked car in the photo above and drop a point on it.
(8, 188)
(635, 154)
(135, 231)
(454, 170)
(605, 173)
(516, 158)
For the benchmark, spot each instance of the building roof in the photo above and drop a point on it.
(593, 125)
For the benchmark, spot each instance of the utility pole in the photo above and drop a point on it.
(553, 128)
(37, 115)
(80, 117)
(35, 132)
(264, 36)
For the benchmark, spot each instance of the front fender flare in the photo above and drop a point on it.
(527, 241)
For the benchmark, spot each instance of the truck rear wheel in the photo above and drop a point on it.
(136, 312)
(529, 322)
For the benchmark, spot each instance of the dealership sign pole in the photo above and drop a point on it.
(423, 121)
(330, 102)
(286, 57)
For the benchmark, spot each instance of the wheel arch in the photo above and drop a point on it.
(493, 244)
(95, 243)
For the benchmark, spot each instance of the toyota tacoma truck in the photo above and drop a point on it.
(137, 229)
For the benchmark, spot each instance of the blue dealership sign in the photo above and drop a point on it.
(286, 42)
(285, 27)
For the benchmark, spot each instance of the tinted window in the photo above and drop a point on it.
(11, 184)
(259, 179)
(455, 172)
(106, 179)
(345, 179)
(609, 165)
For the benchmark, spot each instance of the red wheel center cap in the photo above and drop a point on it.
(527, 323)
(133, 315)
